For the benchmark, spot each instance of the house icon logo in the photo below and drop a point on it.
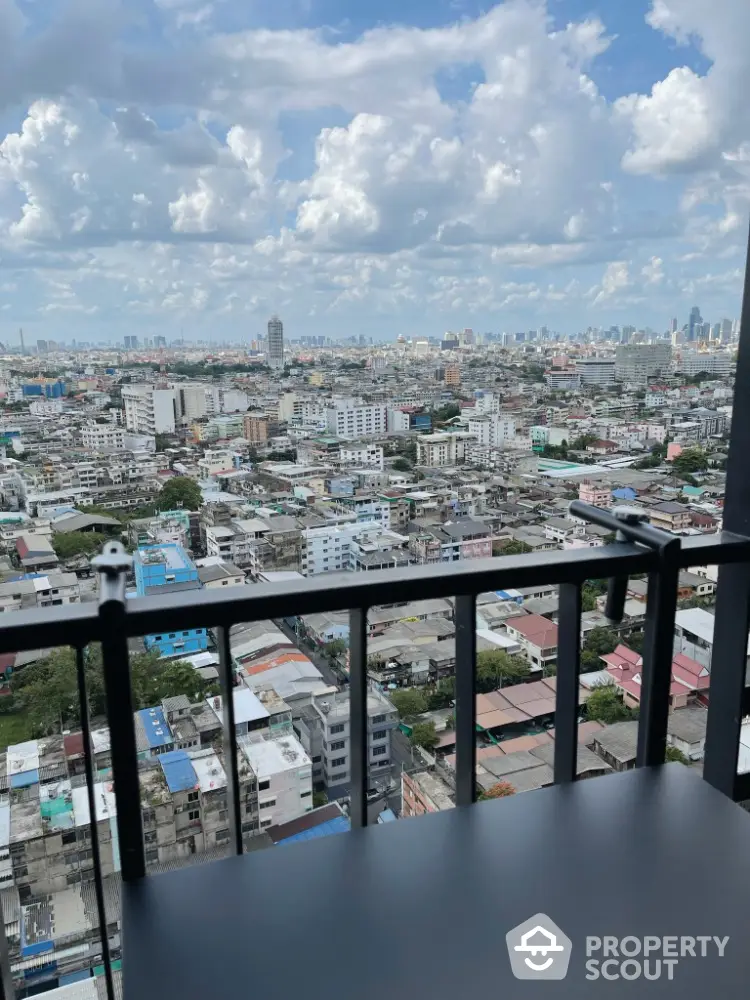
(538, 949)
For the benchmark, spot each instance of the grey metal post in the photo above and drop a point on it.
(113, 565)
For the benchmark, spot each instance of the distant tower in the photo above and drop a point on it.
(275, 342)
(695, 321)
(23, 347)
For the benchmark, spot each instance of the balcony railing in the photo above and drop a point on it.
(646, 550)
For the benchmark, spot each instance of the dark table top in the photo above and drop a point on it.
(421, 908)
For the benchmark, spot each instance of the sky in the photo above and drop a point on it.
(383, 167)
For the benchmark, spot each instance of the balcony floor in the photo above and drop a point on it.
(420, 908)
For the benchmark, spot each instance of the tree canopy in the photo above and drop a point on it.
(689, 461)
(180, 493)
(496, 668)
(68, 544)
(515, 548)
(424, 735)
(673, 755)
(605, 705)
(409, 703)
(48, 690)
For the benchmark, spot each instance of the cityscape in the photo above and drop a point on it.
(374, 499)
(301, 457)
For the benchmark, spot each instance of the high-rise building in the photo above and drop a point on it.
(160, 341)
(639, 362)
(695, 321)
(275, 342)
(673, 326)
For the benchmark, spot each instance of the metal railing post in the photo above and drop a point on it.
(568, 668)
(658, 651)
(466, 672)
(96, 856)
(358, 716)
(226, 679)
(113, 565)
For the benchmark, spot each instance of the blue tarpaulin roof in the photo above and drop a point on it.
(157, 730)
(178, 770)
(340, 824)
(24, 779)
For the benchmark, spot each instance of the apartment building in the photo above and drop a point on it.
(444, 449)
(670, 516)
(596, 492)
(39, 591)
(352, 420)
(149, 410)
(103, 437)
(256, 428)
(284, 774)
(537, 637)
(163, 569)
(325, 734)
(492, 430)
(363, 455)
(595, 371)
(216, 461)
(425, 792)
(639, 362)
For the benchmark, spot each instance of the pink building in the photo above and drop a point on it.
(599, 494)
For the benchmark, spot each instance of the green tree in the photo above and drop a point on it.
(691, 460)
(180, 678)
(424, 735)
(180, 493)
(601, 640)
(319, 799)
(164, 441)
(500, 790)
(673, 755)
(68, 544)
(635, 641)
(442, 696)
(605, 705)
(445, 413)
(496, 668)
(334, 649)
(409, 703)
(402, 464)
(515, 548)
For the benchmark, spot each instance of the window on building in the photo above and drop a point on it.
(378, 718)
(265, 822)
(222, 836)
(337, 745)
(338, 762)
(338, 728)
(379, 751)
(152, 856)
(73, 877)
(149, 837)
(268, 804)
(194, 814)
(192, 796)
(69, 838)
(263, 785)
(304, 795)
(380, 734)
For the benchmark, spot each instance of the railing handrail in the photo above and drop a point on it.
(76, 624)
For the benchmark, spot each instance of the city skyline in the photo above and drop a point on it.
(200, 167)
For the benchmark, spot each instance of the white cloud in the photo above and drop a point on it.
(153, 178)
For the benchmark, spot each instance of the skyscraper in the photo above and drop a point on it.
(695, 321)
(275, 342)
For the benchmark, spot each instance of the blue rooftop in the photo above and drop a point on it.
(157, 729)
(387, 816)
(339, 824)
(178, 770)
(24, 779)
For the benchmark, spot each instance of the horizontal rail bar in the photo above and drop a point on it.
(77, 624)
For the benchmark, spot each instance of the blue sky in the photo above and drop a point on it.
(383, 168)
